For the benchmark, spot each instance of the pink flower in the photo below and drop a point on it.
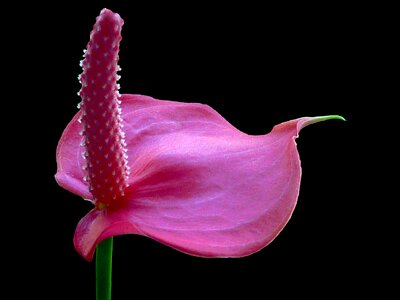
(176, 172)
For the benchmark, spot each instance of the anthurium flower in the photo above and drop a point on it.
(176, 172)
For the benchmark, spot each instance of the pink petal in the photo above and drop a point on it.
(198, 184)
(70, 161)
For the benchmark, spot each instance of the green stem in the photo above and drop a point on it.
(103, 269)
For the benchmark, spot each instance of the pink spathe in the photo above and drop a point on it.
(196, 183)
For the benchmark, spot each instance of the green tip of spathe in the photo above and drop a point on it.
(331, 117)
(314, 120)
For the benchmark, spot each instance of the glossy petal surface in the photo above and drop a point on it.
(197, 184)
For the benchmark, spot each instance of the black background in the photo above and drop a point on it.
(257, 66)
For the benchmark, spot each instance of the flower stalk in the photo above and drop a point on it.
(104, 269)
